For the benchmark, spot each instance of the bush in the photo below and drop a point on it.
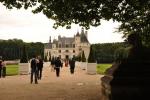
(45, 58)
(24, 58)
(83, 57)
(78, 58)
(121, 54)
(92, 58)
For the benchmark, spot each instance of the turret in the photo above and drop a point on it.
(50, 39)
(82, 30)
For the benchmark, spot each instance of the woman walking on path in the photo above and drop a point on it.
(3, 69)
(0, 68)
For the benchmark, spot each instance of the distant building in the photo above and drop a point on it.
(67, 47)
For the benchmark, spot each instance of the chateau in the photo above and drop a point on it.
(68, 47)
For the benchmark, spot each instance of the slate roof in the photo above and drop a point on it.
(47, 45)
(66, 40)
(84, 38)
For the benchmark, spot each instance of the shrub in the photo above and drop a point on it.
(24, 58)
(91, 58)
(45, 58)
(83, 57)
(121, 54)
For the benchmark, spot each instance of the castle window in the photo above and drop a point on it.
(73, 45)
(59, 45)
(59, 51)
(67, 51)
(73, 51)
(67, 45)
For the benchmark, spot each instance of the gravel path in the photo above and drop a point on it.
(79, 86)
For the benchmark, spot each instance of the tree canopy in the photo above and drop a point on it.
(133, 14)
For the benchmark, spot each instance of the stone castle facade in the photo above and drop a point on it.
(68, 47)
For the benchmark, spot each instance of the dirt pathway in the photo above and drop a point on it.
(79, 86)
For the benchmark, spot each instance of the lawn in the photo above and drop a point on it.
(12, 70)
(101, 68)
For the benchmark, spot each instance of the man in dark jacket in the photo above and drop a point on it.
(34, 70)
(72, 65)
(58, 64)
(40, 67)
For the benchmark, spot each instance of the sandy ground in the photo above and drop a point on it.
(79, 86)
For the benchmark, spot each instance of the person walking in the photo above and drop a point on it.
(3, 69)
(52, 64)
(34, 70)
(40, 68)
(72, 65)
(58, 64)
(0, 68)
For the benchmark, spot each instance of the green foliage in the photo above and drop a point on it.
(12, 70)
(45, 59)
(121, 54)
(92, 58)
(83, 57)
(24, 58)
(12, 49)
(78, 58)
(49, 58)
(35, 49)
(101, 68)
(105, 52)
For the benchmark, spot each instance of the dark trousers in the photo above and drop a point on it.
(0, 72)
(57, 71)
(71, 70)
(4, 71)
(39, 73)
(34, 74)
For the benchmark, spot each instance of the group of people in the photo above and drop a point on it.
(36, 69)
(56, 64)
(2, 69)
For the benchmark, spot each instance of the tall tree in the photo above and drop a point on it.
(83, 57)
(24, 58)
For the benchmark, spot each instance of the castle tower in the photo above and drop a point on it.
(82, 30)
(77, 38)
(50, 39)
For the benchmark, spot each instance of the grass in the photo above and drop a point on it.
(101, 68)
(11, 70)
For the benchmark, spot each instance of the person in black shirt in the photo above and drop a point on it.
(72, 65)
(40, 67)
(58, 64)
(34, 70)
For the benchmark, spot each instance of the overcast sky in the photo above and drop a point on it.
(23, 24)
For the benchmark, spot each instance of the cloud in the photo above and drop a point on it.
(25, 25)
